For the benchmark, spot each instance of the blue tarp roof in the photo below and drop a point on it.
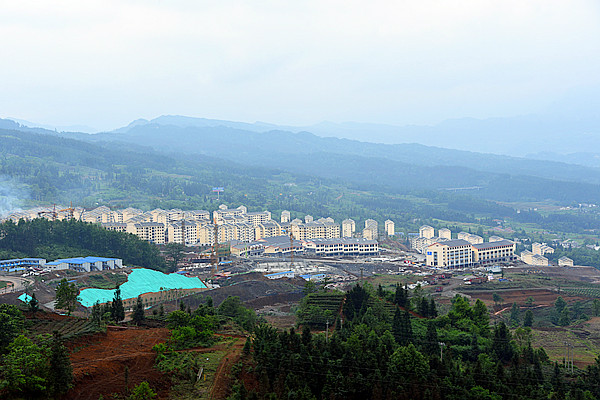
(141, 281)
(79, 260)
(279, 273)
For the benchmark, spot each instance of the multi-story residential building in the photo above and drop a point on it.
(494, 252)
(348, 228)
(371, 230)
(267, 229)
(176, 230)
(153, 232)
(308, 218)
(426, 231)
(389, 228)
(258, 218)
(285, 216)
(322, 228)
(541, 249)
(115, 226)
(445, 233)
(533, 259)
(565, 262)
(460, 253)
(245, 232)
(456, 253)
(473, 239)
(223, 211)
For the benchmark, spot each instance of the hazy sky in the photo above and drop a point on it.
(105, 63)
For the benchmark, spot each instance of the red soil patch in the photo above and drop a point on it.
(99, 363)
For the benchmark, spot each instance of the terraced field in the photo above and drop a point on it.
(68, 328)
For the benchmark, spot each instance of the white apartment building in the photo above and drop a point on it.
(456, 253)
(445, 233)
(533, 259)
(258, 218)
(286, 216)
(473, 239)
(322, 228)
(177, 229)
(341, 247)
(426, 231)
(389, 227)
(267, 230)
(371, 230)
(494, 252)
(460, 253)
(541, 249)
(565, 262)
(348, 228)
(153, 232)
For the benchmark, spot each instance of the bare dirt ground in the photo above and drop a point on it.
(541, 296)
(99, 362)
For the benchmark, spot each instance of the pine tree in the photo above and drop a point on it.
(401, 296)
(96, 315)
(117, 311)
(432, 346)
(60, 372)
(424, 307)
(34, 304)
(514, 315)
(66, 296)
(432, 308)
(138, 311)
(528, 320)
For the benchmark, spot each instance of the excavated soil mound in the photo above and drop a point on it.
(100, 362)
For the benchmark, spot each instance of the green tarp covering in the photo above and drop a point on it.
(140, 281)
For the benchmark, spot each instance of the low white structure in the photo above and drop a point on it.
(341, 247)
(279, 275)
(85, 264)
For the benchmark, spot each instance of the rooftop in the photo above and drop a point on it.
(491, 245)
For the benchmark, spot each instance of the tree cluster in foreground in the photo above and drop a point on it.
(372, 353)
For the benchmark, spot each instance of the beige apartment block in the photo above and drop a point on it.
(153, 232)
(348, 228)
(456, 253)
(390, 228)
(565, 262)
(426, 231)
(445, 233)
(541, 249)
(286, 216)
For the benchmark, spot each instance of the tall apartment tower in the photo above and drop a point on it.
(348, 228)
(285, 216)
(371, 229)
(390, 228)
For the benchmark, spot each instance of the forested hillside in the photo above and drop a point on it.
(45, 169)
(42, 238)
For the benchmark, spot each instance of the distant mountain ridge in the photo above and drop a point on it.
(212, 137)
(517, 136)
(398, 167)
